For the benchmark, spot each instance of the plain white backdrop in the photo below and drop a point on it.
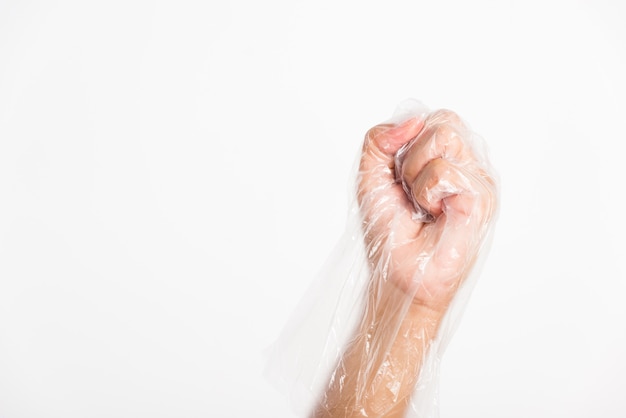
(174, 174)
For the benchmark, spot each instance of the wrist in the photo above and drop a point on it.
(389, 307)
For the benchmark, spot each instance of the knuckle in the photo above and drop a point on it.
(375, 132)
(372, 132)
(373, 137)
(446, 116)
(445, 133)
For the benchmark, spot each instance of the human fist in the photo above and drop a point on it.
(427, 197)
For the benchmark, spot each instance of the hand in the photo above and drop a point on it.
(426, 201)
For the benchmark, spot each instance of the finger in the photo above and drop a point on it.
(376, 170)
(461, 228)
(443, 186)
(442, 137)
(464, 202)
(383, 141)
(382, 201)
(445, 116)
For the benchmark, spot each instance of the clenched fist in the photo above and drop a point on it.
(426, 199)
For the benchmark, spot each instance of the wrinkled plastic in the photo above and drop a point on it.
(368, 337)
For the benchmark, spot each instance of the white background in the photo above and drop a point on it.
(173, 175)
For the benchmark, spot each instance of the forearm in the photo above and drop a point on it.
(426, 200)
(378, 371)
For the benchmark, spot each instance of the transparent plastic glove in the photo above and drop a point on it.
(367, 339)
(426, 200)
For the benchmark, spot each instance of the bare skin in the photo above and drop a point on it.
(416, 264)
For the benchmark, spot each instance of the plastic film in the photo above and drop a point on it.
(368, 337)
